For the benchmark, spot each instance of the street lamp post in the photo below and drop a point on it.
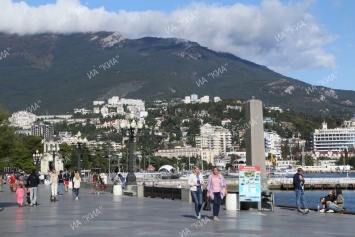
(53, 149)
(131, 129)
(79, 146)
(37, 157)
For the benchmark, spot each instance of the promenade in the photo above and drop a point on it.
(108, 215)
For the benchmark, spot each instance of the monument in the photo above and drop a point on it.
(255, 145)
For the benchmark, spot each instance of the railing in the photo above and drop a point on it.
(161, 192)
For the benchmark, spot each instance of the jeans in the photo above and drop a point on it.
(300, 198)
(333, 206)
(54, 189)
(197, 197)
(61, 188)
(216, 203)
(33, 195)
(76, 190)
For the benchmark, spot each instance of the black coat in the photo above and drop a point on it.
(32, 181)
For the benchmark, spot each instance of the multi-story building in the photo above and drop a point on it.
(22, 119)
(336, 139)
(204, 154)
(215, 138)
(42, 130)
(272, 143)
(194, 98)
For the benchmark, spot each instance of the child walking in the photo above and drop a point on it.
(20, 192)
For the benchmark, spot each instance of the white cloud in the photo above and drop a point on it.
(248, 31)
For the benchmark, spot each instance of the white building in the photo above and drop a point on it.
(22, 119)
(206, 155)
(187, 100)
(272, 143)
(104, 111)
(274, 109)
(215, 138)
(96, 110)
(82, 111)
(336, 139)
(98, 102)
(114, 100)
(216, 99)
(204, 99)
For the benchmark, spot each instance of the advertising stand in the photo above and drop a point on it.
(249, 184)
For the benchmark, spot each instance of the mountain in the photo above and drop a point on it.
(61, 72)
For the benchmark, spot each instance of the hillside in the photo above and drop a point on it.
(68, 71)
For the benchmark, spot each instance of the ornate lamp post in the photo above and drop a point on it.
(36, 158)
(80, 145)
(52, 150)
(131, 129)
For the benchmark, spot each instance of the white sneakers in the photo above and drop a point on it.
(76, 198)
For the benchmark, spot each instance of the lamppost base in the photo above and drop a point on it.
(131, 190)
(131, 179)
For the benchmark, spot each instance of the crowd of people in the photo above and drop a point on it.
(25, 185)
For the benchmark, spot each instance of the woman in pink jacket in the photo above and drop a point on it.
(216, 190)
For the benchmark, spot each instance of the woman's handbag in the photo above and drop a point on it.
(207, 206)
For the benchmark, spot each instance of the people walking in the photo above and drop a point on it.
(216, 190)
(20, 192)
(54, 185)
(60, 183)
(196, 181)
(298, 184)
(66, 177)
(76, 186)
(32, 183)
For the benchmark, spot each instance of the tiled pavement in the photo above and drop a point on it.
(108, 215)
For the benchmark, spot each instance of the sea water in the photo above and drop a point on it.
(312, 198)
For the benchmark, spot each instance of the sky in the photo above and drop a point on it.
(309, 40)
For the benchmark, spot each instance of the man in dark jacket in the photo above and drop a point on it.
(298, 184)
(32, 183)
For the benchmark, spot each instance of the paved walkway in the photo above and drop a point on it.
(108, 215)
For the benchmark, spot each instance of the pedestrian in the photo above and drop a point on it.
(54, 187)
(76, 186)
(122, 180)
(216, 190)
(196, 181)
(1, 182)
(66, 177)
(298, 184)
(32, 183)
(20, 192)
(72, 177)
(12, 183)
(61, 183)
